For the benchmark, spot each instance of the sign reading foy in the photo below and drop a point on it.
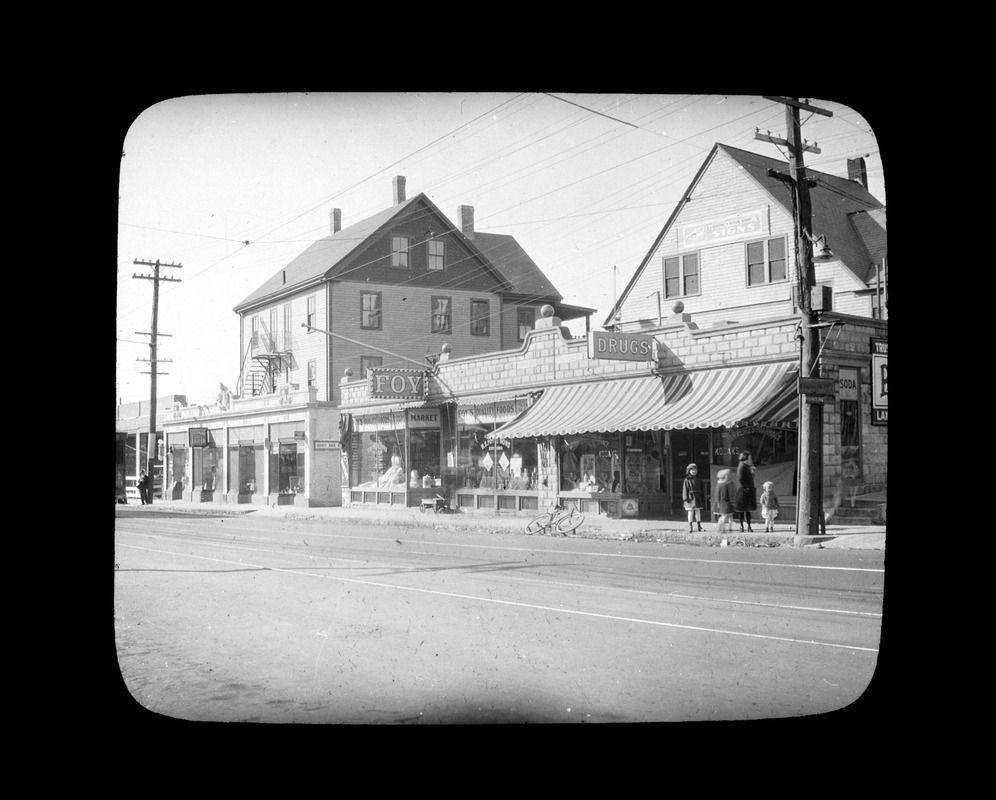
(397, 384)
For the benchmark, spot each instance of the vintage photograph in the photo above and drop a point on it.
(457, 408)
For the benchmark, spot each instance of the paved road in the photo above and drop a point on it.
(276, 620)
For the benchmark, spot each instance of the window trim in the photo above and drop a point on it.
(407, 252)
(433, 315)
(429, 255)
(518, 320)
(765, 242)
(682, 275)
(379, 310)
(311, 376)
(311, 312)
(486, 318)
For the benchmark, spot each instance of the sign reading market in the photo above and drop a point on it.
(621, 346)
(397, 384)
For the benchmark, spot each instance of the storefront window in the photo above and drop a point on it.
(773, 451)
(423, 448)
(483, 464)
(590, 463)
(850, 424)
(245, 459)
(207, 463)
(642, 467)
(379, 452)
(286, 467)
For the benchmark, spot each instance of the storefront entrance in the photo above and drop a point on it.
(689, 447)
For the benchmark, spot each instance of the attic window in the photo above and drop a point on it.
(399, 251)
(436, 251)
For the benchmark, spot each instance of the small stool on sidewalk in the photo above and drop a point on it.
(435, 503)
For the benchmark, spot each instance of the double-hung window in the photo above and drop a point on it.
(442, 315)
(311, 318)
(480, 318)
(681, 275)
(766, 261)
(526, 318)
(370, 310)
(312, 373)
(286, 342)
(399, 251)
(436, 251)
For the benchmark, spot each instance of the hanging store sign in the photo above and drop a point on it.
(423, 418)
(198, 437)
(379, 422)
(718, 231)
(880, 381)
(819, 387)
(492, 413)
(621, 346)
(397, 384)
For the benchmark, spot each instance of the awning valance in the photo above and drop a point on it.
(704, 399)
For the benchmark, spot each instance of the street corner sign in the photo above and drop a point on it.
(880, 381)
(621, 346)
(398, 384)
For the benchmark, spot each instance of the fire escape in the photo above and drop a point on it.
(266, 357)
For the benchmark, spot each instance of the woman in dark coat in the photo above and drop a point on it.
(746, 492)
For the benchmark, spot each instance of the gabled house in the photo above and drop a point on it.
(405, 280)
(727, 252)
(391, 292)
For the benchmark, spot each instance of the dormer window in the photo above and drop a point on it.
(399, 251)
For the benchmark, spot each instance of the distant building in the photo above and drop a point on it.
(132, 419)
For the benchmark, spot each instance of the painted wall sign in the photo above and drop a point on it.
(621, 346)
(880, 381)
(198, 437)
(379, 422)
(718, 231)
(397, 384)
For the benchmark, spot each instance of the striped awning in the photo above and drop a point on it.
(704, 399)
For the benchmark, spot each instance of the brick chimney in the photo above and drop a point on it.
(465, 217)
(336, 218)
(856, 171)
(399, 189)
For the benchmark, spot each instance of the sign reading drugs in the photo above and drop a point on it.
(621, 346)
(397, 384)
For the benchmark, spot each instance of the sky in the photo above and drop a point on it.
(232, 187)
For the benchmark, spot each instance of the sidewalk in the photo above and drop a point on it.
(853, 537)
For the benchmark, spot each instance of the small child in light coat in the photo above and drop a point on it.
(769, 506)
(691, 496)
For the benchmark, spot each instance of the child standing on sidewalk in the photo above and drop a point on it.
(691, 495)
(726, 492)
(769, 506)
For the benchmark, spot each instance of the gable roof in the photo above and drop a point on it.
(834, 201)
(327, 258)
(514, 263)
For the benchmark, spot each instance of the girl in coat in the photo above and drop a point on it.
(769, 506)
(691, 496)
(746, 497)
(725, 498)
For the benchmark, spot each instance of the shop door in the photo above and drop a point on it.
(689, 447)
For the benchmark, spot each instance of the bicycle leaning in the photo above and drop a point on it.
(558, 522)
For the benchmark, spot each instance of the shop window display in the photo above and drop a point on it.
(381, 462)
(590, 463)
(286, 468)
(245, 467)
(423, 449)
(774, 452)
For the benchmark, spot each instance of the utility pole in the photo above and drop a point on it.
(153, 359)
(810, 498)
